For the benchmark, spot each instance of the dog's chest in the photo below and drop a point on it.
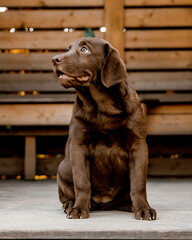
(109, 160)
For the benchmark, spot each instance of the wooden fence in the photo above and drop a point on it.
(153, 37)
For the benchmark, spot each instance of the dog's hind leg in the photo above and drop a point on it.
(65, 187)
(67, 203)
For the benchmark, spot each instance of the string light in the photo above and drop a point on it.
(22, 93)
(103, 29)
(31, 29)
(12, 30)
(3, 9)
(40, 177)
(35, 92)
(69, 29)
(15, 51)
(41, 156)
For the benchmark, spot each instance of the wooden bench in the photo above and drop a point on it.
(156, 46)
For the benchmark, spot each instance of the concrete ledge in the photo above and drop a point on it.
(32, 210)
(95, 235)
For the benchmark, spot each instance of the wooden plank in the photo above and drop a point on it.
(48, 166)
(161, 81)
(39, 98)
(158, 59)
(27, 61)
(158, 39)
(31, 131)
(69, 98)
(114, 23)
(170, 167)
(35, 114)
(157, 166)
(12, 166)
(60, 114)
(141, 81)
(52, 3)
(143, 3)
(40, 40)
(169, 124)
(171, 109)
(92, 3)
(52, 18)
(30, 158)
(166, 98)
(133, 59)
(155, 17)
(30, 82)
(134, 39)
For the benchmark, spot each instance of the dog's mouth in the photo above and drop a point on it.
(65, 77)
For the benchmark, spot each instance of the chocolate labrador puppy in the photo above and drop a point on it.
(106, 155)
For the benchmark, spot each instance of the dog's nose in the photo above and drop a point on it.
(57, 59)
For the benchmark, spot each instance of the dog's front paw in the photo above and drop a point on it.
(147, 213)
(77, 213)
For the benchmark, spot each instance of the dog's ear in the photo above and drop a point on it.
(113, 70)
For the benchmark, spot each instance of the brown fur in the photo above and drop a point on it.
(106, 156)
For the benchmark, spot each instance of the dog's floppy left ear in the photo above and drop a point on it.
(114, 70)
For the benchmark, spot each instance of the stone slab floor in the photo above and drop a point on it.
(31, 209)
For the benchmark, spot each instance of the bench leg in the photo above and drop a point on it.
(144, 107)
(30, 158)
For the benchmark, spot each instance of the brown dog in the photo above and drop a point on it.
(106, 155)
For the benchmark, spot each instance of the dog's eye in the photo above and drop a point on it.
(84, 49)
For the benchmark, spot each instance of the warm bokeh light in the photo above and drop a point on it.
(3, 9)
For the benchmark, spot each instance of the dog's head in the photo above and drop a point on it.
(89, 61)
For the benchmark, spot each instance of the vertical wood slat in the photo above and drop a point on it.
(114, 23)
(144, 108)
(30, 158)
